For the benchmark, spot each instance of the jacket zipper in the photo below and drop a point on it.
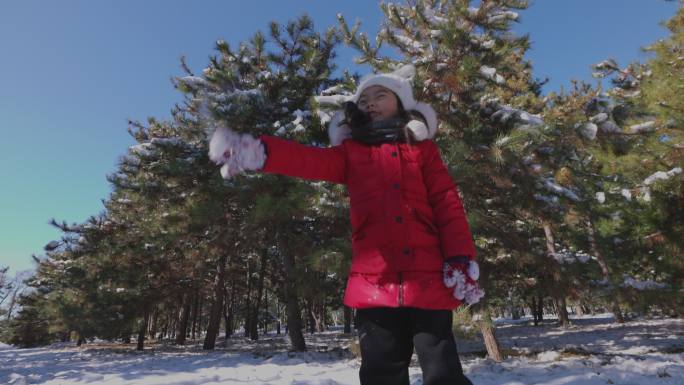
(401, 290)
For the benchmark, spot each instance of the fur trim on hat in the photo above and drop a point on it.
(430, 117)
(338, 132)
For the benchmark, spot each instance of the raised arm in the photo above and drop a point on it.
(242, 152)
(287, 157)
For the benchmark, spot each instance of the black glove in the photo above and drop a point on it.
(353, 116)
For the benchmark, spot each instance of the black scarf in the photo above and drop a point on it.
(366, 131)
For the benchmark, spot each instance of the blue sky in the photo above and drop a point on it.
(74, 71)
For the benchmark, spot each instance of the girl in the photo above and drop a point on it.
(413, 254)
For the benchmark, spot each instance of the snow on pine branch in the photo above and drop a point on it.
(52, 245)
(551, 186)
(334, 101)
(661, 175)
(337, 89)
(642, 127)
(232, 95)
(504, 113)
(437, 19)
(520, 116)
(605, 68)
(194, 82)
(142, 149)
(642, 285)
(434, 17)
(151, 148)
(484, 41)
(296, 124)
(174, 141)
(588, 130)
(473, 11)
(643, 193)
(323, 116)
(599, 118)
(407, 41)
(599, 122)
(502, 16)
(566, 256)
(490, 73)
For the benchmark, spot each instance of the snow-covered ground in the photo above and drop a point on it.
(593, 351)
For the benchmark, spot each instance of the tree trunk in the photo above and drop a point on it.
(165, 329)
(540, 307)
(559, 296)
(126, 337)
(153, 326)
(254, 324)
(320, 320)
(617, 312)
(515, 312)
(605, 270)
(216, 305)
(12, 303)
(183, 319)
(317, 316)
(488, 334)
(278, 318)
(142, 330)
(562, 311)
(173, 326)
(228, 313)
(347, 319)
(294, 314)
(267, 321)
(195, 310)
(537, 309)
(309, 311)
(248, 303)
(200, 321)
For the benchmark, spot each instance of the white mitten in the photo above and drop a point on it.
(236, 152)
(461, 274)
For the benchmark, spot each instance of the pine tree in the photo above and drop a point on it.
(254, 90)
(30, 327)
(646, 175)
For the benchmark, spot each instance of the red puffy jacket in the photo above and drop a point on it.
(406, 216)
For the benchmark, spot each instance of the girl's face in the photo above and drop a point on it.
(379, 103)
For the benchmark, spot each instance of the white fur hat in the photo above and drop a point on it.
(398, 82)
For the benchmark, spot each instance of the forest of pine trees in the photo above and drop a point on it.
(575, 198)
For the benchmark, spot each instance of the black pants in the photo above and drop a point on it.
(387, 337)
